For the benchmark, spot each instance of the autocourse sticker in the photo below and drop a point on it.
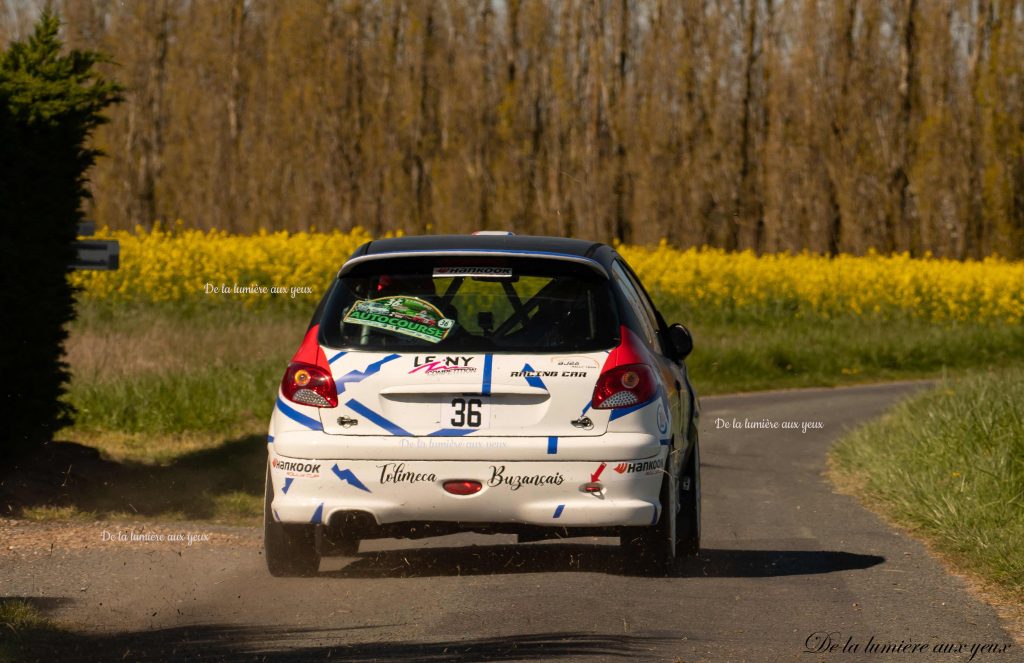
(409, 316)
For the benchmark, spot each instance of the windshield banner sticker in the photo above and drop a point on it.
(402, 315)
(483, 272)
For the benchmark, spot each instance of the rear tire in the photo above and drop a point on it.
(688, 521)
(648, 550)
(291, 550)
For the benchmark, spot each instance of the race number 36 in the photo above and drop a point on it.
(466, 412)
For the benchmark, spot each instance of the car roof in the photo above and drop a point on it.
(593, 253)
(512, 243)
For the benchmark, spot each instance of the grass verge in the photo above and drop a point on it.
(734, 356)
(222, 483)
(21, 624)
(162, 371)
(949, 466)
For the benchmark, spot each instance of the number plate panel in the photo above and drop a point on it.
(469, 412)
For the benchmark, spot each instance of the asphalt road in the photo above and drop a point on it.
(785, 558)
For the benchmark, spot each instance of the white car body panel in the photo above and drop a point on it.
(530, 433)
(403, 394)
(526, 492)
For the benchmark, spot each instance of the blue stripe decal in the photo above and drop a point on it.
(359, 376)
(585, 408)
(667, 441)
(287, 485)
(318, 515)
(488, 360)
(553, 444)
(349, 477)
(387, 425)
(296, 416)
(451, 432)
(618, 413)
(534, 381)
(270, 439)
(276, 517)
(337, 356)
(558, 511)
(657, 508)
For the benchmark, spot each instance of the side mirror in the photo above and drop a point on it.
(680, 341)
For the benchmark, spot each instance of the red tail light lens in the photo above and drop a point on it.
(307, 384)
(623, 386)
(463, 487)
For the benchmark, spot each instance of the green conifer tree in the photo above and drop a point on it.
(50, 102)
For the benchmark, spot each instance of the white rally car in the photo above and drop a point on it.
(490, 383)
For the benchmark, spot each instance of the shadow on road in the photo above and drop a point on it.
(714, 563)
(263, 643)
(65, 474)
(590, 558)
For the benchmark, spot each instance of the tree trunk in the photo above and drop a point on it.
(745, 204)
(900, 231)
(840, 113)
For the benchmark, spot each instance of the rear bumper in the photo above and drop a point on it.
(542, 493)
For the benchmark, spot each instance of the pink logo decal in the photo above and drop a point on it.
(440, 367)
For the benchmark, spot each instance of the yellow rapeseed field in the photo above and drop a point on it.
(185, 266)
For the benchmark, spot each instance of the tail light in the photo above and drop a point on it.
(307, 384)
(623, 386)
(463, 487)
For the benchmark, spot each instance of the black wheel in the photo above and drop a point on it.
(688, 520)
(648, 550)
(290, 549)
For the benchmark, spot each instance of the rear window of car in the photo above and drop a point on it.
(500, 304)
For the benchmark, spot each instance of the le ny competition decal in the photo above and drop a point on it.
(409, 316)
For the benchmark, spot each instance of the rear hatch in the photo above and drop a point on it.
(462, 394)
(468, 345)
